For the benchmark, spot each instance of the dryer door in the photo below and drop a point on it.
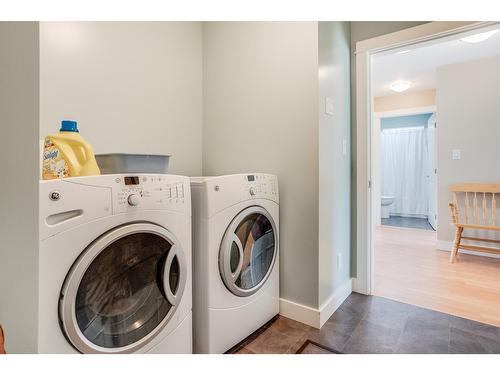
(123, 289)
(248, 251)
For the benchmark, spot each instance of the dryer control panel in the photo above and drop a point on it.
(214, 194)
(149, 192)
(260, 186)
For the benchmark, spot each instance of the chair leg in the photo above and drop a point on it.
(456, 243)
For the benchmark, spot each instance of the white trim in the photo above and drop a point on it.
(406, 111)
(301, 313)
(358, 286)
(418, 34)
(331, 305)
(363, 176)
(376, 172)
(444, 245)
(316, 317)
(364, 102)
(448, 246)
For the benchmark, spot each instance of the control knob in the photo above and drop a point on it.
(134, 199)
(252, 191)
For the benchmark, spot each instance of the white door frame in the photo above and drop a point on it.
(426, 33)
(406, 111)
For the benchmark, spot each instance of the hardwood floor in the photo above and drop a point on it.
(409, 269)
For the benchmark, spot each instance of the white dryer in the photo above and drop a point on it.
(115, 265)
(235, 258)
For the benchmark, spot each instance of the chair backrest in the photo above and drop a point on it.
(478, 202)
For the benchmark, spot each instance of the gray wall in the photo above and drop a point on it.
(334, 164)
(261, 114)
(132, 86)
(19, 199)
(362, 30)
(468, 119)
(149, 87)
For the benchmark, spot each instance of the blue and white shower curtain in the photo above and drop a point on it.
(403, 167)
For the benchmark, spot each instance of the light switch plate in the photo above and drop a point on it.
(339, 261)
(329, 106)
(344, 147)
(455, 154)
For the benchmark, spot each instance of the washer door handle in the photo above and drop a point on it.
(174, 297)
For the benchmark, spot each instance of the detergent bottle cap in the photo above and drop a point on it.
(68, 126)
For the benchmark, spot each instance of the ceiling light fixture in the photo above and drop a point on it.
(477, 38)
(400, 86)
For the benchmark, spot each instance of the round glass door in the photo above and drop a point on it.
(123, 289)
(248, 251)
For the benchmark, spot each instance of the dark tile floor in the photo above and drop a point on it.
(310, 347)
(407, 222)
(369, 324)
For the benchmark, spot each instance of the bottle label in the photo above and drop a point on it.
(54, 165)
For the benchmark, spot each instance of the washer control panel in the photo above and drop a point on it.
(260, 186)
(148, 192)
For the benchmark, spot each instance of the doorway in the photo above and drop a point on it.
(404, 168)
(410, 268)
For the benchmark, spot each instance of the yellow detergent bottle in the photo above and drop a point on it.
(67, 154)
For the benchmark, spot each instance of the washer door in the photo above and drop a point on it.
(248, 251)
(123, 289)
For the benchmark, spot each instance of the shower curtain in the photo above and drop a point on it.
(403, 167)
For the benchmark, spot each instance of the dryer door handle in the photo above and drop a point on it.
(237, 271)
(227, 274)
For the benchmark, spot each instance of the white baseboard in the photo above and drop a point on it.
(358, 286)
(332, 304)
(316, 317)
(301, 313)
(448, 246)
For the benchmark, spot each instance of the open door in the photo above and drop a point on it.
(431, 175)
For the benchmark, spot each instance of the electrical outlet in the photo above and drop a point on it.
(455, 154)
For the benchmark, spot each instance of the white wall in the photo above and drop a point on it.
(261, 114)
(405, 100)
(19, 198)
(467, 119)
(132, 86)
(334, 163)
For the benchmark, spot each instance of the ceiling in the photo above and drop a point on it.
(418, 66)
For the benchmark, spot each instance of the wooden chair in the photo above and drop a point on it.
(476, 215)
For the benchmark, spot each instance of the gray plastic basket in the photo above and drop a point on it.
(132, 163)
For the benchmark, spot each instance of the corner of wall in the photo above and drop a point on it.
(19, 110)
(316, 317)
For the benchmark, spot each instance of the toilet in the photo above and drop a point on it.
(386, 201)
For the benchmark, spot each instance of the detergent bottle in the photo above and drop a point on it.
(67, 154)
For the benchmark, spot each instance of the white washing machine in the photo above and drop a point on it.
(235, 258)
(115, 265)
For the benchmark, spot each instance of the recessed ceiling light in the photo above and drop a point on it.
(477, 38)
(400, 86)
(404, 51)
